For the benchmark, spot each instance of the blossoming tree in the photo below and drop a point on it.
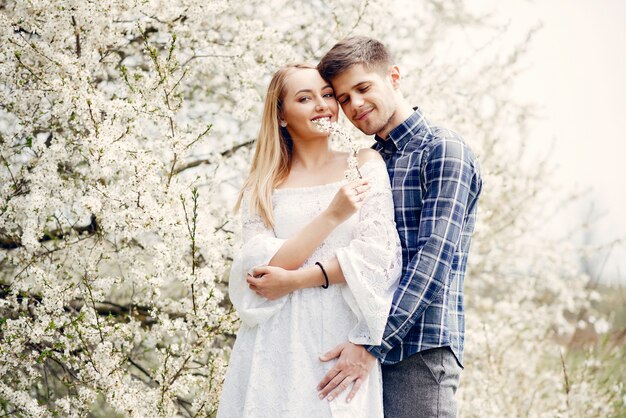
(125, 129)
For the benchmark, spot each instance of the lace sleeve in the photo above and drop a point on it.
(259, 246)
(372, 262)
(252, 225)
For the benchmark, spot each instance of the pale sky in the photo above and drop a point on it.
(577, 76)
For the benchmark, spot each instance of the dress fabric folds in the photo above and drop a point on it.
(274, 366)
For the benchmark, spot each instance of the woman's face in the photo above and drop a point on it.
(307, 97)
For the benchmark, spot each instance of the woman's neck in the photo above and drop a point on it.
(308, 155)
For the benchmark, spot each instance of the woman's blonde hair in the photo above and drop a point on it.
(272, 157)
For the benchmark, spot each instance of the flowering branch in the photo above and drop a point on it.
(191, 228)
(12, 242)
(337, 132)
(227, 153)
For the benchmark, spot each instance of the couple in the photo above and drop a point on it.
(350, 293)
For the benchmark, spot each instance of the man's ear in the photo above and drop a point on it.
(394, 76)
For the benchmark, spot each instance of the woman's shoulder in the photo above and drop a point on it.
(367, 154)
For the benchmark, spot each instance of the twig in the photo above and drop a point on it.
(200, 136)
(226, 153)
(566, 379)
(169, 177)
(77, 35)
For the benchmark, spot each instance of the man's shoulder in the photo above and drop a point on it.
(432, 135)
(446, 142)
(432, 141)
(439, 136)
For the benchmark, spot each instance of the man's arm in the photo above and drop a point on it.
(448, 173)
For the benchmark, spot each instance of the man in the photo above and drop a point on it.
(436, 183)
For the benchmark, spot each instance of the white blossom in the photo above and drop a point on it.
(126, 128)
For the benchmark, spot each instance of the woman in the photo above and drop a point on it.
(337, 270)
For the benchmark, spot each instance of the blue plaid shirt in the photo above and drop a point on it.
(436, 182)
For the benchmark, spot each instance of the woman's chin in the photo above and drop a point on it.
(318, 134)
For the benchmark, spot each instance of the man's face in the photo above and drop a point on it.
(367, 98)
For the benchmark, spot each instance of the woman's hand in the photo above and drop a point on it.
(347, 200)
(272, 282)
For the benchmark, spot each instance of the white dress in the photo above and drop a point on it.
(274, 366)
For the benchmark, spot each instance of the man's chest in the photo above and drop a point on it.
(408, 193)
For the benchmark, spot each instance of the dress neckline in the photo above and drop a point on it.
(319, 187)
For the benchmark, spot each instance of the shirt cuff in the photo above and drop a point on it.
(379, 351)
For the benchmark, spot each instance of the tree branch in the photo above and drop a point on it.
(226, 153)
(103, 308)
(8, 243)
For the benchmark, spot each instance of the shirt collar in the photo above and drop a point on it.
(401, 134)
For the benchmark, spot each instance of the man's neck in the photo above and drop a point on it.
(401, 114)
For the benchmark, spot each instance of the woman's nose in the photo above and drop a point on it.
(321, 104)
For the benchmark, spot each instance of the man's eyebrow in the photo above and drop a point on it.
(353, 87)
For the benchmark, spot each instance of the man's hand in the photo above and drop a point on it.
(354, 364)
(272, 282)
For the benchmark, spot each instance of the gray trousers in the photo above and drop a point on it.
(422, 386)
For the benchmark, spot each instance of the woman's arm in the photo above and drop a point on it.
(277, 282)
(299, 247)
(312, 276)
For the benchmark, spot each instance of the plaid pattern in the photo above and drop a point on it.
(436, 182)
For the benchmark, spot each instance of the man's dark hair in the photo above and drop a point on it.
(355, 50)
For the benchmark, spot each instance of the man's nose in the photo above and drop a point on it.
(357, 101)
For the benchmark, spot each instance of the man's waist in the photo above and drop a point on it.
(411, 347)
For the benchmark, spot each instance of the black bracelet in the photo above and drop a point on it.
(325, 286)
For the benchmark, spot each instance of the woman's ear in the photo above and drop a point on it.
(281, 120)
